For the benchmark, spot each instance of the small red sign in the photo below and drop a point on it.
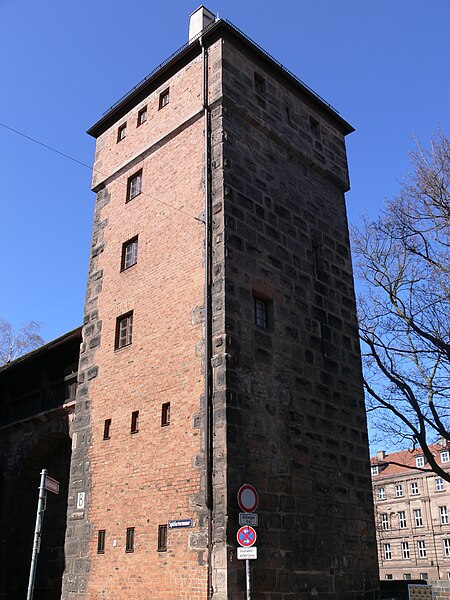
(246, 536)
(248, 498)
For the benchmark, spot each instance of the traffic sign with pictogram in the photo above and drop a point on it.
(248, 498)
(246, 536)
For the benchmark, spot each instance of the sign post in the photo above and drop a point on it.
(47, 483)
(248, 501)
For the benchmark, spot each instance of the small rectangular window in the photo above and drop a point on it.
(163, 99)
(422, 551)
(420, 461)
(381, 493)
(407, 576)
(134, 422)
(134, 185)
(129, 544)
(162, 538)
(424, 576)
(121, 132)
(374, 470)
(405, 550)
(399, 490)
(317, 257)
(129, 253)
(107, 429)
(260, 84)
(445, 456)
(387, 552)
(101, 541)
(443, 515)
(447, 547)
(402, 519)
(388, 576)
(314, 126)
(384, 521)
(124, 330)
(414, 488)
(439, 483)
(142, 116)
(165, 414)
(261, 308)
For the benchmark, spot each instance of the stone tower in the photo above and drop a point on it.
(219, 342)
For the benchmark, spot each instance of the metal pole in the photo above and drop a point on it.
(247, 577)
(37, 534)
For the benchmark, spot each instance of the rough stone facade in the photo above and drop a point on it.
(37, 394)
(287, 404)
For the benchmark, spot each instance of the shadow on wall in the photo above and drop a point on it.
(52, 453)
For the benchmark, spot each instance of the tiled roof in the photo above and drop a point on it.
(404, 462)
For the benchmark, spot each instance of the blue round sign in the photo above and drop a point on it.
(246, 536)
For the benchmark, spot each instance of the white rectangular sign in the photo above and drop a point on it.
(248, 519)
(247, 553)
(180, 523)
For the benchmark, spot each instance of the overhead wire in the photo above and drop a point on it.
(94, 170)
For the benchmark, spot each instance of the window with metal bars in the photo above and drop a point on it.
(124, 330)
(165, 414)
(101, 541)
(107, 429)
(129, 543)
(162, 538)
(134, 422)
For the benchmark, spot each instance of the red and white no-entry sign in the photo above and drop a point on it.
(248, 498)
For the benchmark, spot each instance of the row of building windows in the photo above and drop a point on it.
(130, 538)
(417, 517)
(142, 115)
(421, 550)
(134, 427)
(414, 489)
(408, 576)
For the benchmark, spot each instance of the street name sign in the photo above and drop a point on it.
(248, 519)
(247, 553)
(51, 485)
(180, 523)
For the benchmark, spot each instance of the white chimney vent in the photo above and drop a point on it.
(200, 18)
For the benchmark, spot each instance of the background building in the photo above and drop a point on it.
(412, 512)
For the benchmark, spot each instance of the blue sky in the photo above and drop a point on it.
(383, 64)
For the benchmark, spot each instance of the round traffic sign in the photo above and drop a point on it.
(248, 498)
(246, 536)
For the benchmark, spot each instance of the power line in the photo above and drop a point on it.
(92, 169)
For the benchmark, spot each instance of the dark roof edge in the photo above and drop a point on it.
(73, 334)
(118, 109)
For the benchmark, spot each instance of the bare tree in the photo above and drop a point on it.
(16, 343)
(404, 314)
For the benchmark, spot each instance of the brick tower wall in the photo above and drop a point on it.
(145, 479)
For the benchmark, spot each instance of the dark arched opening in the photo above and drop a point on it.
(53, 454)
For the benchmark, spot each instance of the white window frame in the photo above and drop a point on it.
(443, 515)
(445, 456)
(402, 519)
(421, 549)
(420, 461)
(446, 544)
(384, 521)
(374, 470)
(381, 493)
(399, 490)
(439, 484)
(387, 551)
(418, 520)
(415, 489)
(405, 550)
